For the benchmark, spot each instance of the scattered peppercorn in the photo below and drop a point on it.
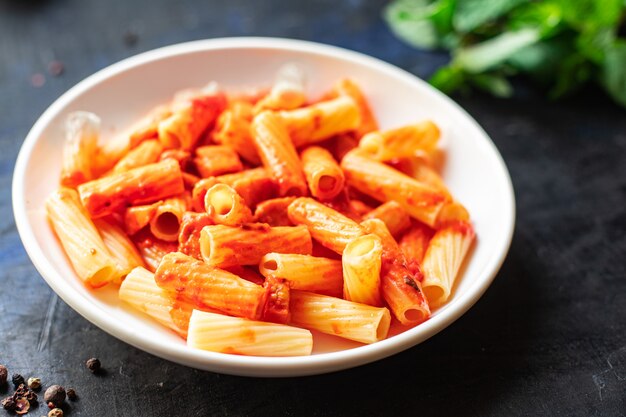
(51, 405)
(9, 404)
(4, 373)
(94, 365)
(55, 412)
(55, 394)
(17, 379)
(71, 394)
(22, 405)
(34, 383)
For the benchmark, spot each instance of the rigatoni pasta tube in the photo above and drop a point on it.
(384, 183)
(414, 244)
(227, 207)
(165, 224)
(213, 160)
(329, 227)
(137, 186)
(205, 286)
(189, 120)
(361, 262)
(354, 321)
(403, 142)
(152, 250)
(274, 211)
(234, 335)
(148, 126)
(443, 259)
(322, 172)
(233, 129)
(350, 89)
(321, 120)
(224, 246)
(254, 185)
(141, 291)
(278, 153)
(79, 149)
(83, 245)
(287, 92)
(147, 152)
(138, 217)
(120, 246)
(399, 287)
(393, 215)
(304, 272)
(189, 236)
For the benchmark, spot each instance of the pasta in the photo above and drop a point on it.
(384, 183)
(141, 291)
(399, 287)
(305, 272)
(147, 152)
(189, 120)
(354, 321)
(214, 160)
(226, 207)
(165, 224)
(361, 263)
(233, 129)
(274, 212)
(350, 89)
(414, 244)
(225, 334)
(249, 222)
(287, 92)
(91, 259)
(443, 259)
(204, 286)
(138, 186)
(120, 246)
(323, 174)
(81, 144)
(393, 215)
(278, 154)
(224, 246)
(327, 226)
(402, 142)
(320, 121)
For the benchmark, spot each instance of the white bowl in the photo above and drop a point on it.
(121, 93)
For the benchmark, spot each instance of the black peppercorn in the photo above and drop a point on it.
(93, 364)
(55, 394)
(9, 404)
(4, 373)
(71, 394)
(17, 379)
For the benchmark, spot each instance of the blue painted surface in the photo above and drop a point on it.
(548, 338)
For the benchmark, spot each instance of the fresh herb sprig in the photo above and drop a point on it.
(561, 44)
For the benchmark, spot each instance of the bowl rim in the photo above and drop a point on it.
(252, 365)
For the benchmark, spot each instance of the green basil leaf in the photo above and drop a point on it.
(613, 74)
(470, 14)
(495, 51)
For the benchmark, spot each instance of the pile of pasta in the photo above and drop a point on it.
(242, 221)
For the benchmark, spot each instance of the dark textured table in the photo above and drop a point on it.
(548, 337)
